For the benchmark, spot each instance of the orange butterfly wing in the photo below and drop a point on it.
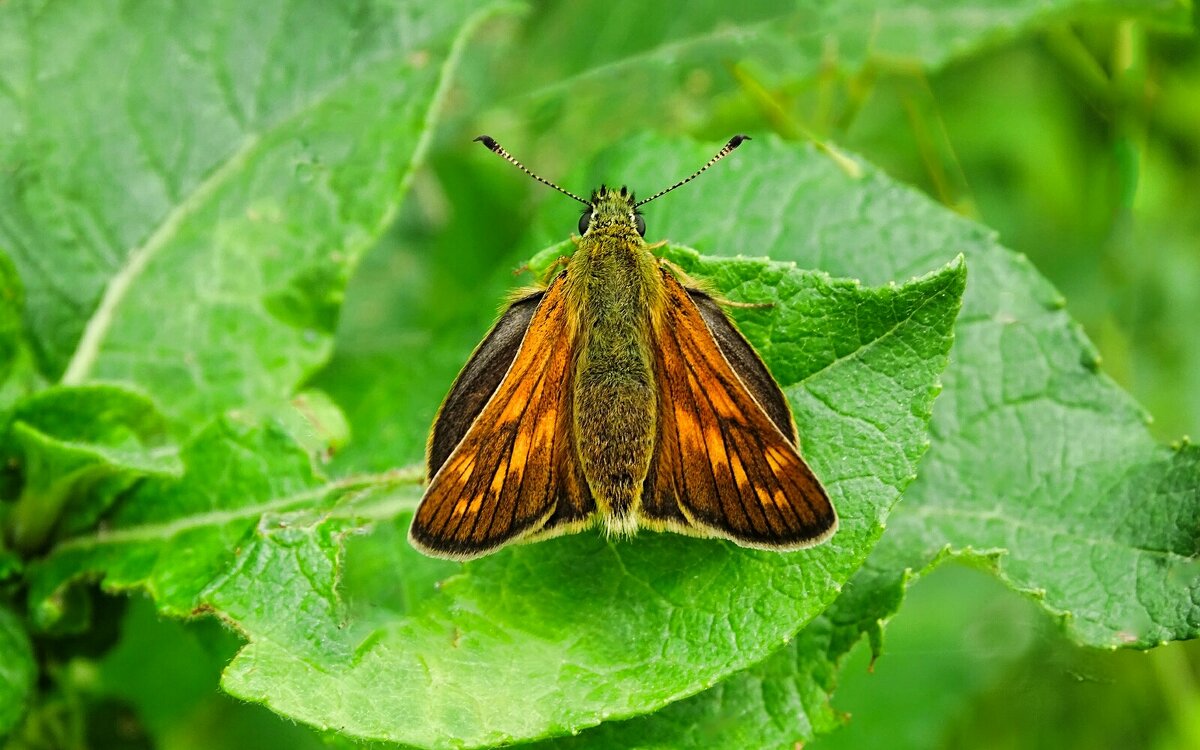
(722, 465)
(511, 475)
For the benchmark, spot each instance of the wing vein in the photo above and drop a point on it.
(722, 498)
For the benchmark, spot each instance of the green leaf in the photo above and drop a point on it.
(493, 629)
(245, 488)
(17, 670)
(201, 251)
(780, 702)
(263, 536)
(76, 450)
(1036, 454)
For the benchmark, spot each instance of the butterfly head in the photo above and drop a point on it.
(612, 211)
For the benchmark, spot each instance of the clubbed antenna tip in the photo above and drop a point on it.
(488, 141)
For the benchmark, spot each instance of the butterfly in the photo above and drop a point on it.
(619, 394)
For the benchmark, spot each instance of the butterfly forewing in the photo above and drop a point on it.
(479, 379)
(745, 362)
(507, 475)
(722, 464)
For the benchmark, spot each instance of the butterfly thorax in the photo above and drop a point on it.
(614, 285)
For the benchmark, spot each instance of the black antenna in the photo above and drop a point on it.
(728, 148)
(490, 142)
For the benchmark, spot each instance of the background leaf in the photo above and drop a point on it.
(201, 251)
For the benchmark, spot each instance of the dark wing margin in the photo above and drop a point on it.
(723, 466)
(478, 380)
(512, 473)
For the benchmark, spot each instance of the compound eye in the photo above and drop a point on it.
(639, 224)
(585, 220)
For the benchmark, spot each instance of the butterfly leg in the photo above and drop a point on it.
(550, 271)
(691, 283)
(744, 305)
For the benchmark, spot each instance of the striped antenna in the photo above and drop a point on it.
(490, 142)
(728, 148)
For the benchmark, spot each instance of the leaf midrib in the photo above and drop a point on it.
(83, 359)
(1041, 525)
(152, 532)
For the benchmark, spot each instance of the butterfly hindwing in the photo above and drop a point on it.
(725, 464)
(511, 472)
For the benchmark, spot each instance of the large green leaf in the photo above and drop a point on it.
(651, 620)
(796, 202)
(200, 251)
